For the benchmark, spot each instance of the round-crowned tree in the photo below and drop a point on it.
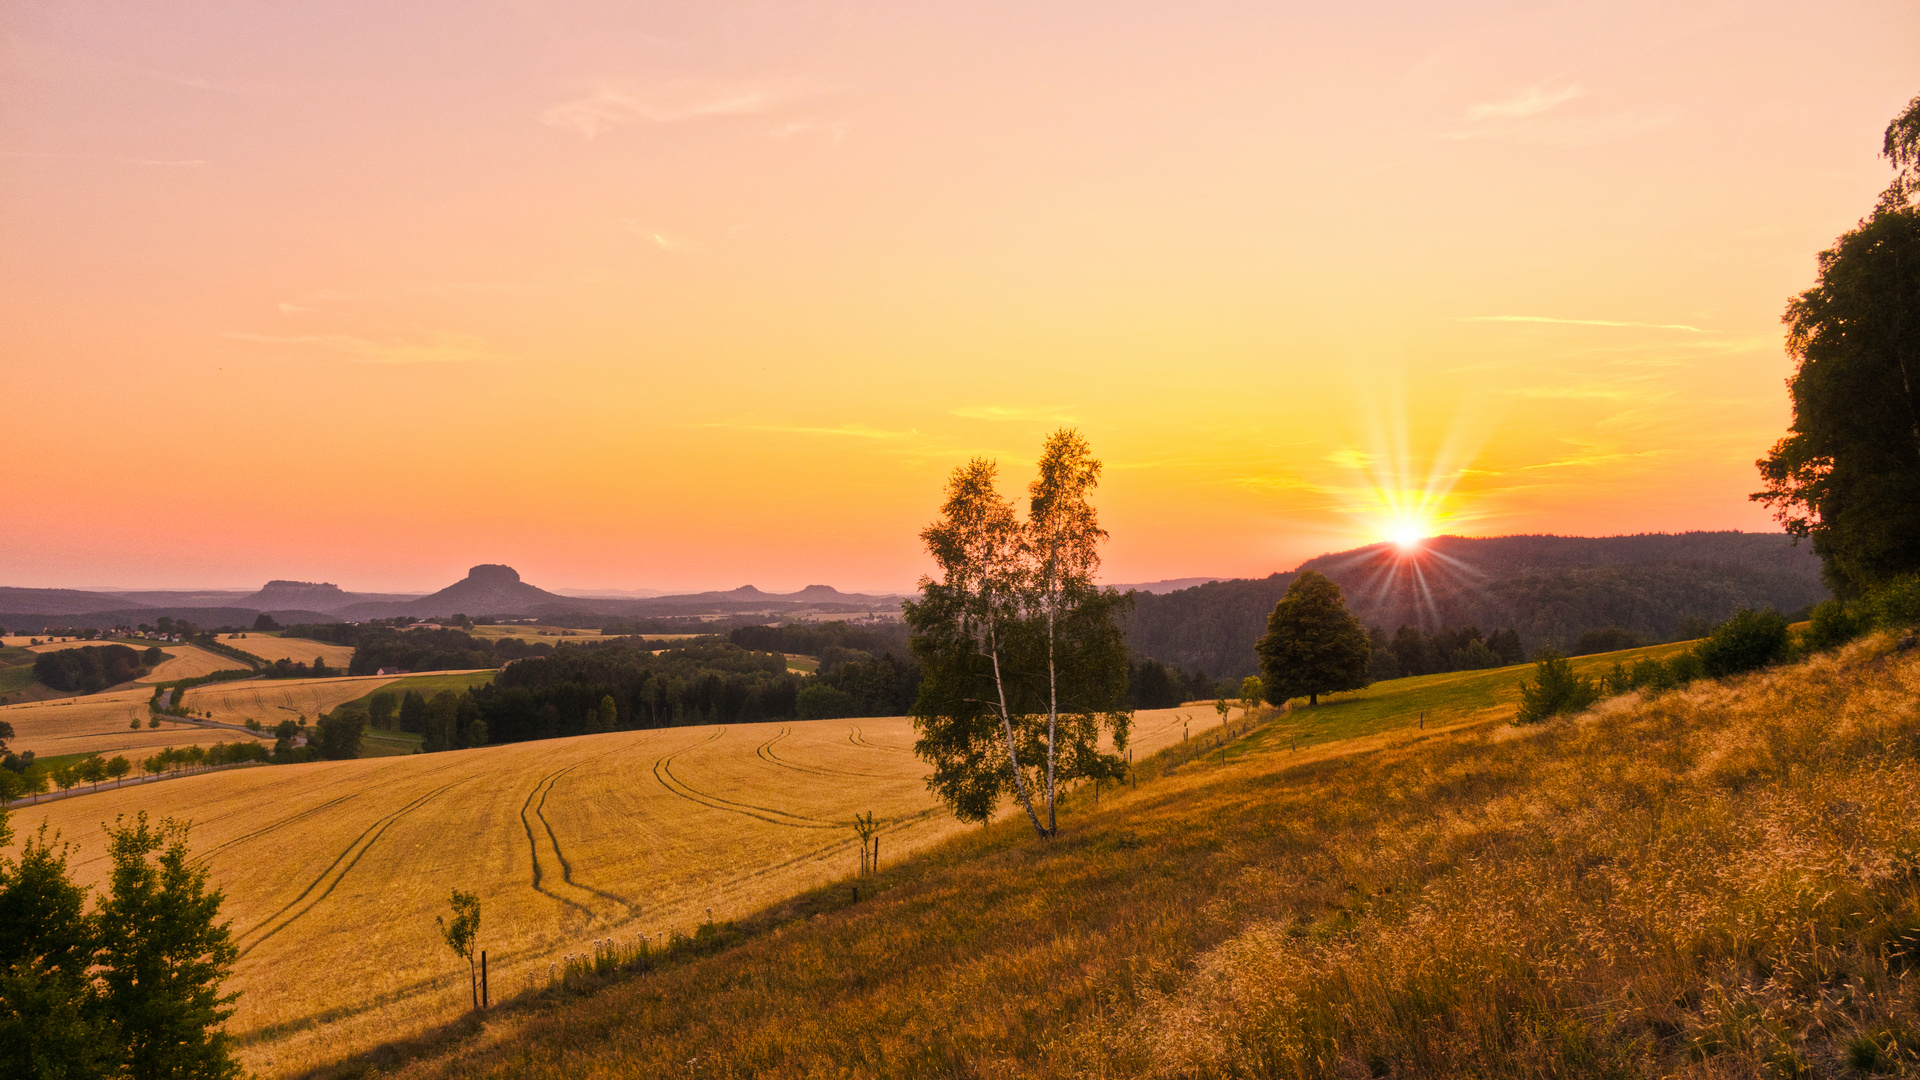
(1313, 644)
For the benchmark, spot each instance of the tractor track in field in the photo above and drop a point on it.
(533, 845)
(663, 772)
(204, 856)
(541, 789)
(859, 738)
(364, 843)
(765, 753)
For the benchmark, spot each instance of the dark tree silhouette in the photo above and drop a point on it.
(1313, 645)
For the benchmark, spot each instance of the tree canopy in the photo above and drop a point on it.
(1313, 645)
(1847, 475)
(1024, 664)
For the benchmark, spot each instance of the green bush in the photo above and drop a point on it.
(1748, 641)
(1832, 625)
(1555, 691)
(1896, 604)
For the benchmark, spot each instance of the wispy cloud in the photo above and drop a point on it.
(663, 241)
(1536, 114)
(1532, 101)
(434, 348)
(608, 108)
(1052, 414)
(1587, 322)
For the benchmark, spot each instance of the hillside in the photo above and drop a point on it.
(341, 866)
(1551, 589)
(1716, 882)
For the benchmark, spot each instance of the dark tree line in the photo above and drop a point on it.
(88, 669)
(1410, 652)
(1154, 685)
(377, 646)
(864, 670)
(705, 681)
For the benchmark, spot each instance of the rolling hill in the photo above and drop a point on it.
(1551, 589)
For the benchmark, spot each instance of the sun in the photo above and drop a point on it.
(1407, 536)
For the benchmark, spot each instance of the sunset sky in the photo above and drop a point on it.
(690, 295)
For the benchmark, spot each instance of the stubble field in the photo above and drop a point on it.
(297, 650)
(334, 870)
(273, 700)
(190, 662)
(101, 724)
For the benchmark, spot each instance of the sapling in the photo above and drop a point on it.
(461, 933)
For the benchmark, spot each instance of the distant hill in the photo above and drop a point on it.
(1550, 589)
(1167, 586)
(316, 596)
(57, 601)
(199, 616)
(488, 589)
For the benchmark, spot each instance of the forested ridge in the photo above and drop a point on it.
(1549, 589)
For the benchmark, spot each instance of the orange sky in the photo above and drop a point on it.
(687, 295)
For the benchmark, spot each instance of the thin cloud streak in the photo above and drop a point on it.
(1529, 102)
(607, 108)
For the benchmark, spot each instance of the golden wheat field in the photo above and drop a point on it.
(100, 724)
(298, 650)
(190, 661)
(334, 870)
(273, 700)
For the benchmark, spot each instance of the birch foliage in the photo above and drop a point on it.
(1024, 665)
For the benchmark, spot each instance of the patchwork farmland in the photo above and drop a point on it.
(334, 870)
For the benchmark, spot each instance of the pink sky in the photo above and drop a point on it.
(688, 295)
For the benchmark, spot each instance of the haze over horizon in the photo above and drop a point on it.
(682, 296)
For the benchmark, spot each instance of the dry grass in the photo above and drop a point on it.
(334, 871)
(273, 700)
(299, 650)
(1721, 882)
(98, 724)
(190, 661)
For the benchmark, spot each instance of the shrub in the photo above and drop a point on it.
(1832, 625)
(1896, 603)
(1746, 642)
(1555, 691)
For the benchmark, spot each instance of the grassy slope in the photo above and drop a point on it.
(1719, 882)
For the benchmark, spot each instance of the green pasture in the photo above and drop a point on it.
(1447, 699)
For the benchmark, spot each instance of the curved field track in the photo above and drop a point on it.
(99, 724)
(297, 650)
(334, 871)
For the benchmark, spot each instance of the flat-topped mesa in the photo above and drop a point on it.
(327, 588)
(493, 574)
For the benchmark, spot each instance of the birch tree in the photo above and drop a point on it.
(964, 626)
(1025, 666)
(1085, 651)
